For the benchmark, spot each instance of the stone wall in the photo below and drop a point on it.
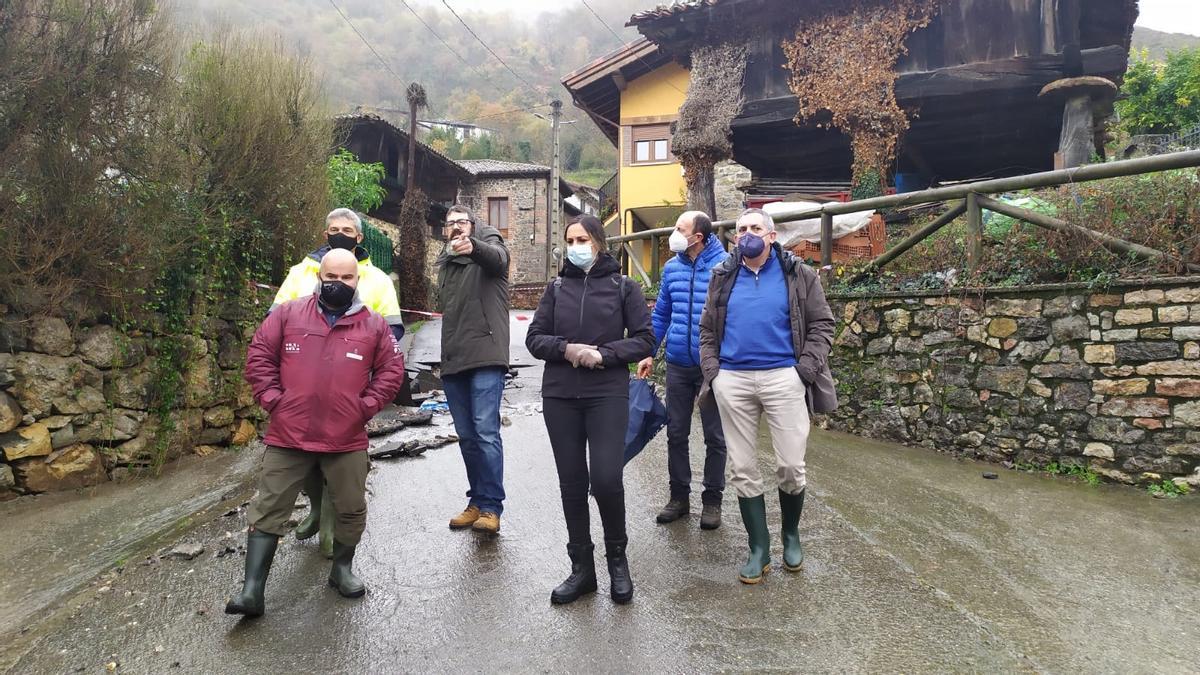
(527, 296)
(527, 220)
(1109, 379)
(75, 403)
(728, 177)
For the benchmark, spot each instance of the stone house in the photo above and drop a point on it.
(514, 198)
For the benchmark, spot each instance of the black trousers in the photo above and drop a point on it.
(683, 386)
(588, 439)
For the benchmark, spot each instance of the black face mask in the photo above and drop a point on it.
(336, 295)
(343, 241)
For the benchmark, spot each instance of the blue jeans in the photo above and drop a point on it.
(474, 400)
(683, 385)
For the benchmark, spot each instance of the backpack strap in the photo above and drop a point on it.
(621, 289)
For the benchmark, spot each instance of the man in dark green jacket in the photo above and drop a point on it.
(473, 287)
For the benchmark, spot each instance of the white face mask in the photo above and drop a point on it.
(678, 242)
(581, 255)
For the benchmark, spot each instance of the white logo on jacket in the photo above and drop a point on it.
(291, 347)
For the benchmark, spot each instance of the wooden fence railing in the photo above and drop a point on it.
(970, 199)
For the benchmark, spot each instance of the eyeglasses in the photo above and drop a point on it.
(457, 223)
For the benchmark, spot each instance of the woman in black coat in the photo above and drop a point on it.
(590, 325)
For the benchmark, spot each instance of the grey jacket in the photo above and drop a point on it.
(473, 290)
(812, 327)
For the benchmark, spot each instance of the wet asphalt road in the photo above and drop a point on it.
(914, 564)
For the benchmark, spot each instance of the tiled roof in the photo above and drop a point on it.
(670, 9)
(496, 167)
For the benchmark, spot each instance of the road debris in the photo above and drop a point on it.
(413, 448)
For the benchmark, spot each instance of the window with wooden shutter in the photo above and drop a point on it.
(498, 214)
(650, 144)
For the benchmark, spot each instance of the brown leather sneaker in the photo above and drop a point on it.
(465, 519)
(488, 523)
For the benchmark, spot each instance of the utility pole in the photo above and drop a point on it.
(554, 246)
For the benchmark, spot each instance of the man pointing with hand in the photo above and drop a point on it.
(473, 287)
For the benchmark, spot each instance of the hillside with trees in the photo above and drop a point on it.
(477, 88)
(1158, 44)
(423, 42)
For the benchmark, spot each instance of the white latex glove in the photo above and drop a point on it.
(591, 358)
(574, 353)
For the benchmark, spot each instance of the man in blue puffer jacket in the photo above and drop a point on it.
(676, 319)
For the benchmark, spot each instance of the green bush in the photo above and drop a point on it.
(86, 174)
(353, 184)
(147, 185)
(133, 177)
(1161, 98)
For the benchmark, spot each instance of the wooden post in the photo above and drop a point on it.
(655, 267)
(1081, 98)
(556, 232)
(723, 233)
(1077, 139)
(637, 264)
(974, 233)
(912, 240)
(826, 240)
(1069, 16)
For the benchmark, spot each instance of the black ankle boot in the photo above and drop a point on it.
(341, 575)
(260, 551)
(583, 575)
(618, 573)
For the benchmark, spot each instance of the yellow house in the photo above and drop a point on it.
(633, 95)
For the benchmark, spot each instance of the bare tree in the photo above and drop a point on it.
(416, 101)
(414, 287)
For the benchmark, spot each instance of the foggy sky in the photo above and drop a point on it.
(1173, 16)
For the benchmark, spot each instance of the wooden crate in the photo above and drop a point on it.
(866, 244)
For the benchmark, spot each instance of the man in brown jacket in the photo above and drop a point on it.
(765, 338)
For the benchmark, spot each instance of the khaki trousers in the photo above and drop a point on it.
(743, 397)
(282, 475)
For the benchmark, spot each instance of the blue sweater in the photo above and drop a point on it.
(758, 327)
(681, 300)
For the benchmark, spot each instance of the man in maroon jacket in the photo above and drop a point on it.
(321, 366)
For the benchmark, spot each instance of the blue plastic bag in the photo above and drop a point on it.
(647, 417)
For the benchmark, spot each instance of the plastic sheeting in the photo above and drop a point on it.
(791, 234)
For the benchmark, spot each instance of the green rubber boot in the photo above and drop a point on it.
(328, 516)
(260, 551)
(341, 575)
(314, 487)
(793, 552)
(754, 517)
